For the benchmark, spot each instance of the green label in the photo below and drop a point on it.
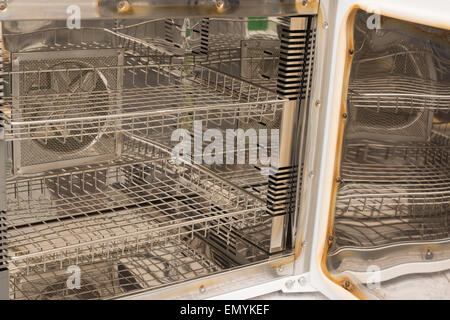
(260, 23)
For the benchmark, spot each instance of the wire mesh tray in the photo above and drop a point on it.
(179, 36)
(60, 38)
(135, 41)
(399, 93)
(161, 263)
(163, 96)
(390, 194)
(89, 214)
(247, 48)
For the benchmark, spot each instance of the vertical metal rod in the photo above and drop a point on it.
(4, 274)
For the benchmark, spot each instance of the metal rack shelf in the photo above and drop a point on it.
(132, 218)
(158, 264)
(230, 45)
(246, 177)
(221, 33)
(85, 38)
(399, 93)
(393, 193)
(199, 94)
(433, 153)
(143, 48)
(90, 214)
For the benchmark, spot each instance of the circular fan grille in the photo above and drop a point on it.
(383, 76)
(390, 77)
(76, 81)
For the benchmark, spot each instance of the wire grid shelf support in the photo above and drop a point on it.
(393, 193)
(198, 94)
(107, 217)
(83, 215)
(161, 263)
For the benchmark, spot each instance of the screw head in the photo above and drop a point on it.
(220, 4)
(123, 6)
(202, 289)
(347, 284)
(345, 116)
(289, 284)
(305, 2)
(325, 25)
(317, 103)
(302, 281)
(351, 51)
(280, 269)
(429, 255)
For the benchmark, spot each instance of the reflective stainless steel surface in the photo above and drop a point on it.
(94, 9)
(140, 219)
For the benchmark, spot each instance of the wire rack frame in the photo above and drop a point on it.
(383, 233)
(434, 153)
(157, 265)
(223, 48)
(142, 202)
(63, 38)
(393, 193)
(247, 176)
(227, 33)
(403, 93)
(378, 175)
(203, 94)
(139, 51)
(143, 51)
(386, 214)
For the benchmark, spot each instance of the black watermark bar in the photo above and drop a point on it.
(229, 309)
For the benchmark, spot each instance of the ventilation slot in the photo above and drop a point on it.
(204, 32)
(296, 58)
(281, 192)
(3, 243)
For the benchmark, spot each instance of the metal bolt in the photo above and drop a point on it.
(280, 269)
(338, 180)
(305, 2)
(347, 284)
(302, 281)
(325, 25)
(345, 116)
(3, 5)
(317, 103)
(311, 174)
(220, 4)
(123, 6)
(330, 238)
(289, 284)
(351, 51)
(202, 289)
(429, 255)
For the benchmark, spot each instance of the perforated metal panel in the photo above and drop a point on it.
(82, 74)
(393, 86)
